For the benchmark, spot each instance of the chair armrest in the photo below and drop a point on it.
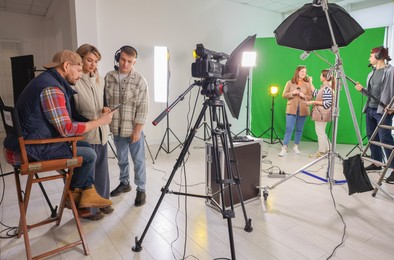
(55, 140)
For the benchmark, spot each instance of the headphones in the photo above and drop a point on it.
(118, 52)
(379, 55)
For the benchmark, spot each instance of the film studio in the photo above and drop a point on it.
(231, 173)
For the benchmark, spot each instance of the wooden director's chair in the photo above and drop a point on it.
(58, 169)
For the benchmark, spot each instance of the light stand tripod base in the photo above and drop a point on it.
(272, 129)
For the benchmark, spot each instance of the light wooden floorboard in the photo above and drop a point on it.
(297, 221)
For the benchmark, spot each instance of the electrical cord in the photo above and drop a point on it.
(343, 222)
(180, 185)
(10, 232)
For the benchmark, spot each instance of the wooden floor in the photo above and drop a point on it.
(301, 218)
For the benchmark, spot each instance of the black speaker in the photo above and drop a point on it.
(248, 156)
(22, 73)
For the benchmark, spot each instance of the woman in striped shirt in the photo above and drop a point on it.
(321, 110)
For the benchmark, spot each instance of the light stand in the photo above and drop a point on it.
(330, 156)
(249, 61)
(158, 67)
(273, 93)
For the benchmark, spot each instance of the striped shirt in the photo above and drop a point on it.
(327, 97)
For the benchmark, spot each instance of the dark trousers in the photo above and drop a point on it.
(384, 135)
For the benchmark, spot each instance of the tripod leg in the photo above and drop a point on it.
(161, 144)
(150, 153)
(236, 177)
(138, 242)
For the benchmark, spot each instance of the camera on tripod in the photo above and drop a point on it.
(207, 64)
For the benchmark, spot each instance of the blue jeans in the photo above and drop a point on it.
(83, 176)
(137, 151)
(383, 136)
(291, 121)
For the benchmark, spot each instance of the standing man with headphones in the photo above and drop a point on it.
(127, 90)
(380, 84)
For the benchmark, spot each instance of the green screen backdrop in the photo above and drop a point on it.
(276, 65)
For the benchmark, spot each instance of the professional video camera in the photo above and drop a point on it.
(207, 64)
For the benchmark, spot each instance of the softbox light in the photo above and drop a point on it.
(235, 89)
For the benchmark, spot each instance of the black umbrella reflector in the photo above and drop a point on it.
(235, 88)
(308, 29)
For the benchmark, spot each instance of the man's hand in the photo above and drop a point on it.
(359, 87)
(135, 136)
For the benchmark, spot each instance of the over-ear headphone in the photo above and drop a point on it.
(125, 48)
(379, 55)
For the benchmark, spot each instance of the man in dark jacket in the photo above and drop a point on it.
(44, 109)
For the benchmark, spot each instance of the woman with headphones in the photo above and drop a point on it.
(380, 84)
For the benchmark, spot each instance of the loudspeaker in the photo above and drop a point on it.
(117, 54)
(378, 54)
(22, 73)
(248, 156)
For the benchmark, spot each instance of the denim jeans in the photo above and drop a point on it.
(291, 121)
(137, 151)
(83, 176)
(383, 136)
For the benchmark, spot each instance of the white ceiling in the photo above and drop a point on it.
(41, 7)
(32, 7)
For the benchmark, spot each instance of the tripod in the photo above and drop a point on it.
(341, 78)
(207, 130)
(168, 129)
(247, 130)
(220, 133)
(272, 129)
(167, 134)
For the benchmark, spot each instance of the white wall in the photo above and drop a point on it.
(179, 25)
(378, 16)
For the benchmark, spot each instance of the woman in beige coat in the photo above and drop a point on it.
(89, 103)
(297, 91)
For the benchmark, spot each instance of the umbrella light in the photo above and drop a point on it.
(308, 29)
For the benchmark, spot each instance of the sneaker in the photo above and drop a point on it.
(107, 210)
(140, 199)
(283, 152)
(390, 179)
(295, 149)
(120, 189)
(373, 167)
(316, 155)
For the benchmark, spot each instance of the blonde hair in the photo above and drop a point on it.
(84, 50)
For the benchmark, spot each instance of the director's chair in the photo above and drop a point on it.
(57, 168)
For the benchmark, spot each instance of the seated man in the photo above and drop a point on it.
(44, 110)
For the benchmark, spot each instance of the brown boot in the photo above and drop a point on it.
(91, 199)
(76, 194)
